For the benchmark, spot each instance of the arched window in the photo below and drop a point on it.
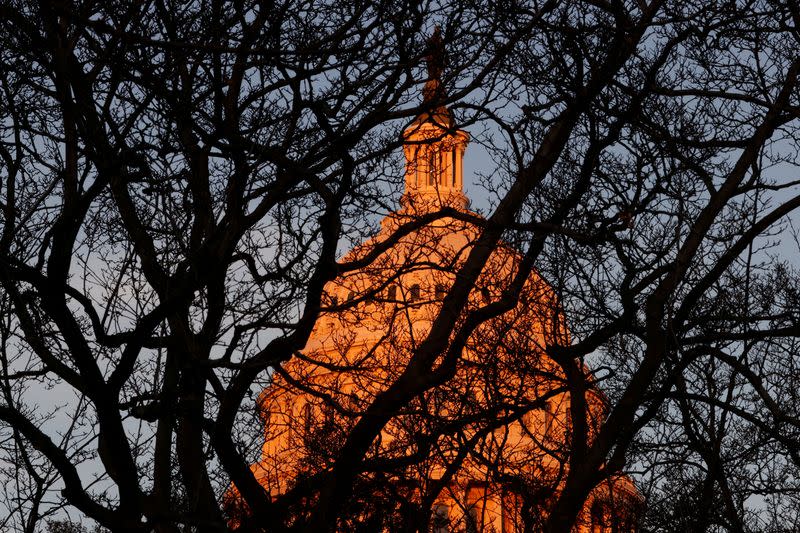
(353, 401)
(441, 291)
(415, 170)
(413, 294)
(548, 418)
(453, 166)
(328, 413)
(433, 167)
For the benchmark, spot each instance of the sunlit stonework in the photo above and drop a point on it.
(486, 449)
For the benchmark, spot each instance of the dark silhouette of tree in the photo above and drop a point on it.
(178, 181)
(65, 526)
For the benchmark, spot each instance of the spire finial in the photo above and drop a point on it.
(436, 54)
(435, 58)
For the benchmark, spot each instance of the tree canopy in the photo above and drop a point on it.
(178, 182)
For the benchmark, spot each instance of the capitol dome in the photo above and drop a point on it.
(486, 447)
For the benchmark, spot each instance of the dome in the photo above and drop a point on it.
(504, 393)
(485, 447)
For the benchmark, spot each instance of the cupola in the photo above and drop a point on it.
(433, 147)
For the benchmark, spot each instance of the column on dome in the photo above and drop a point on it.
(412, 166)
(459, 171)
(432, 161)
(447, 167)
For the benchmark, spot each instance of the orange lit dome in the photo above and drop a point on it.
(486, 448)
